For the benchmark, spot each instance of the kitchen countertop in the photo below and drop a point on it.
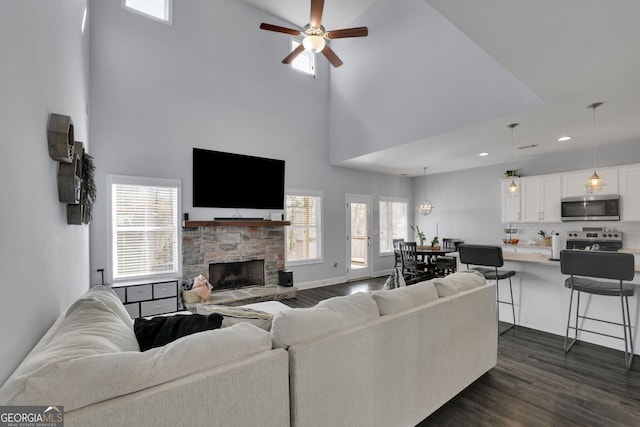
(543, 259)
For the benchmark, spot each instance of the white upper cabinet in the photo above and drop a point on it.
(510, 203)
(575, 183)
(630, 192)
(540, 199)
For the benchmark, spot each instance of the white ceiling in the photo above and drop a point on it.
(570, 53)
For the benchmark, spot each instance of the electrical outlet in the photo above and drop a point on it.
(335, 265)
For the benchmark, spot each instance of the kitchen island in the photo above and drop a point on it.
(542, 301)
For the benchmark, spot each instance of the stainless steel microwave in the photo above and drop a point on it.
(601, 207)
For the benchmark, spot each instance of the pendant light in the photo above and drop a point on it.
(513, 189)
(425, 206)
(595, 183)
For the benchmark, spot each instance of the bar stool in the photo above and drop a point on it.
(489, 256)
(615, 266)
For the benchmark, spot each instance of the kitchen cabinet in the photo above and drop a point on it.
(510, 203)
(575, 183)
(540, 198)
(629, 177)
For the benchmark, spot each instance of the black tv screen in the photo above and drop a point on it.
(228, 180)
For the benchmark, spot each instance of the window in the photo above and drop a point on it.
(160, 10)
(303, 236)
(305, 62)
(393, 222)
(144, 227)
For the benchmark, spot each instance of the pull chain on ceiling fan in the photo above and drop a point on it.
(315, 35)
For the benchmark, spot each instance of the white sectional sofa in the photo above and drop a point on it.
(388, 358)
(429, 341)
(90, 362)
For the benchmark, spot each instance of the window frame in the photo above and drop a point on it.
(142, 181)
(312, 59)
(320, 215)
(168, 7)
(388, 199)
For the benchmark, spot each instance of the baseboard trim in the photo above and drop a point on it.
(335, 281)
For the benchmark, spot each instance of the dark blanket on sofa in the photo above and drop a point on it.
(158, 331)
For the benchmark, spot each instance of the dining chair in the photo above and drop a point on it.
(617, 267)
(447, 264)
(411, 266)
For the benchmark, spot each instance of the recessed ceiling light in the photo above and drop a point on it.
(564, 138)
(483, 154)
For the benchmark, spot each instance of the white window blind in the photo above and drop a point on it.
(144, 226)
(304, 234)
(393, 222)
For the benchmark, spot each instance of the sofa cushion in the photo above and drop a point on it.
(108, 297)
(233, 315)
(457, 282)
(305, 324)
(161, 330)
(392, 301)
(84, 380)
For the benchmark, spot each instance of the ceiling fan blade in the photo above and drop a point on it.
(278, 29)
(295, 52)
(316, 12)
(331, 56)
(348, 32)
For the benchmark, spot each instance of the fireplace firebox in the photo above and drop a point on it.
(234, 275)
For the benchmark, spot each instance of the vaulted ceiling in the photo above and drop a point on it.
(569, 53)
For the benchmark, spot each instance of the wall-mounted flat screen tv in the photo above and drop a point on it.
(228, 180)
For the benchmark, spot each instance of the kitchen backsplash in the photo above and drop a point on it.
(528, 233)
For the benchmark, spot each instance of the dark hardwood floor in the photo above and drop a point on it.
(535, 383)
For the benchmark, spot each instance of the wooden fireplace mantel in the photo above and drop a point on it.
(235, 223)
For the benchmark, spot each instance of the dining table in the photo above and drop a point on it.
(428, 255)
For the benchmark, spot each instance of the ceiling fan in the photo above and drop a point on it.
(315, 35)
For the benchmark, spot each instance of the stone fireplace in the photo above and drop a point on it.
(234, 275)
(206, 243)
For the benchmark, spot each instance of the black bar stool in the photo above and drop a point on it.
(615, 266)
(489, 256)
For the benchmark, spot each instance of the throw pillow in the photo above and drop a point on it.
(233, 315)
(158, 331)
(395, 280)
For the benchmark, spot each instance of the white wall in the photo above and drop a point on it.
(214, 80)
(44, 263)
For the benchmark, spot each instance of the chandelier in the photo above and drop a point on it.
(425, 206)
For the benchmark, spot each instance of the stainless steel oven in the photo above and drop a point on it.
(601, 207)
(595, 239)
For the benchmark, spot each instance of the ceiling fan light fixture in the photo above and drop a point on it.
(314, 43)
